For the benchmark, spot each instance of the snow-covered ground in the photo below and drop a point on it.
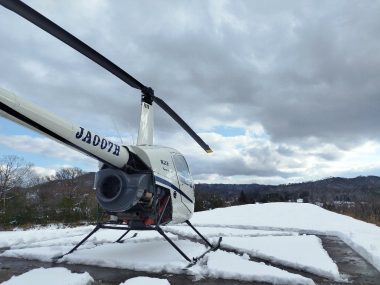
(363, 237)
(271, 232)
(63, 276)
(303, 252)
(145, 281)
(57, 276)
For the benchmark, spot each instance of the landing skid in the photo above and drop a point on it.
(157, 228)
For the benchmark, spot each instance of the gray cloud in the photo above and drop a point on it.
(307, 71)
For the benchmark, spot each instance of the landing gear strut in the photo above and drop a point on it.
(157, 228)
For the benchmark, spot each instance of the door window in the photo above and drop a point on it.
(183, 171)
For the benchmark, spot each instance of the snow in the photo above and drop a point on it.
(37, 253)
(148, 255)
(300, 252)
(158, 256)
(56, 276)
(231, 266)
(19, 237)
(272, 232)
(361, 236)
(145, 281)
(151, 256)
(224, 232)
(69, 236)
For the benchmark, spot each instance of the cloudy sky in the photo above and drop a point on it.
(283, 91)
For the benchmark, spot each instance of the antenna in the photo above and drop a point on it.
(117, 129)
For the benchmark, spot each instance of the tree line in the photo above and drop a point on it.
(26, 198)
(355, 204)
(68, 195)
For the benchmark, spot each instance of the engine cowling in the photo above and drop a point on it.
(117, 191)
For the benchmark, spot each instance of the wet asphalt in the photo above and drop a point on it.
(351, 265)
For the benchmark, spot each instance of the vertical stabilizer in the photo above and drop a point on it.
(145, 136)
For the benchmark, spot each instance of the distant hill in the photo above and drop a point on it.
(74, 200)
(362, 188)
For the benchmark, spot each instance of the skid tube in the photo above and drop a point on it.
(157, 228)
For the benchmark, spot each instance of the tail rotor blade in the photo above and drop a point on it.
(182, 123)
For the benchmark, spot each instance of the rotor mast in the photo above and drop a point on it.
(146, 129)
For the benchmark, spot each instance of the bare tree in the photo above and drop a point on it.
(15, 172)
(72, 195)
(68, 179)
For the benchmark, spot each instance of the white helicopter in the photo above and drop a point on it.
(140, 186)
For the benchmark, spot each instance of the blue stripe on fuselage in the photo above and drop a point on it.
(167, 183)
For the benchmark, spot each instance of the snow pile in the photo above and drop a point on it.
(70, 237)
(231, 266)
(12, 238)
(45, 254)
(362, 237)
(267, 231)
(145, 281)
(223, 232)
(301, 252)
(149, 256)
(158, 256)
(56, 276)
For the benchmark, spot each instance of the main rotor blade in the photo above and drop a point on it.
(182, 123)
(44, 23)
(47, 25)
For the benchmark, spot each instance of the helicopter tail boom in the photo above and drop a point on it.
(29, 115)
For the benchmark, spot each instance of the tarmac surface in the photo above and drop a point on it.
(351, 265)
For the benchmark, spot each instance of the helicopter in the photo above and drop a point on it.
(142, 186)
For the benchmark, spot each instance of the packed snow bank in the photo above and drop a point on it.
(268, 231)
(146, 281)
(45, 237)
(223, 232)
(300, 252)
(45, 254)
(56, 276)
(227, 265)
(362, 237)
(150, 256)
(158, 256)
(19, 237)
